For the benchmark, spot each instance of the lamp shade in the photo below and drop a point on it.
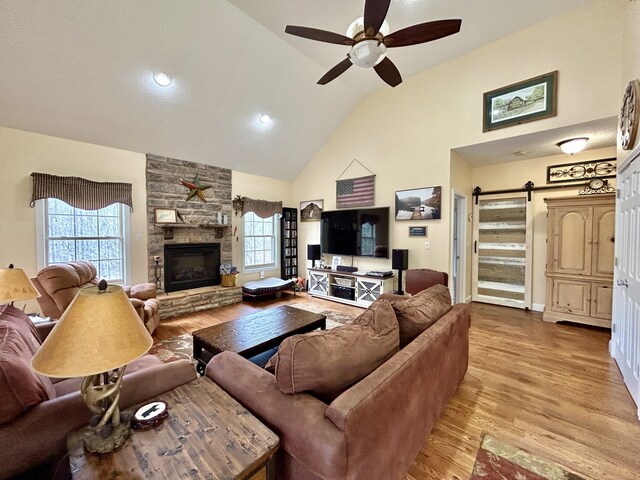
(313, 252)
(15, 285)
(98, 332)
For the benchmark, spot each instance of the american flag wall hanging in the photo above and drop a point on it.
(355, 192)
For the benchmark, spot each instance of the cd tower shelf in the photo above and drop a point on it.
(289, 243)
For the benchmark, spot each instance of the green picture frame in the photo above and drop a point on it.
(532, 99)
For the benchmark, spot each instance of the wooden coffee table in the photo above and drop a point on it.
(207, 435)
(254, 334)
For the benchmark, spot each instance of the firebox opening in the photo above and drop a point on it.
(191, 265)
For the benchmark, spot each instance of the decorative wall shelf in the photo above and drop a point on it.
(220, 230)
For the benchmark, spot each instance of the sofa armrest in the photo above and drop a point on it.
(142, 291)
(41, 433)
(44, 328)
(299, 420)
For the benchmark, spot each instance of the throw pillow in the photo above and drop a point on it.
(20, 387)
(417, 313)
(327, 362)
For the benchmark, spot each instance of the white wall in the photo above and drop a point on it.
(405, 135)
(23, 152)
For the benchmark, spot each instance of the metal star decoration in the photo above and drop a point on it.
(195, 188)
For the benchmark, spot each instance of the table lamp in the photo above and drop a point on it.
(313, 254)
(15, 285)
(97, 336)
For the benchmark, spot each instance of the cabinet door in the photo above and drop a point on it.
(570, 240)
(368, 290)
(601, 300)
(603, 238)
(571, 296)
(318, 283)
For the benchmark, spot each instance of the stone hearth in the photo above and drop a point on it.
(197, 299)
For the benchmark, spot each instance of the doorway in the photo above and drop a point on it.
(458, 246)
(502, 250)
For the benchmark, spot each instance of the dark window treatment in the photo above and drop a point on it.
(79, 192)
(262, 208)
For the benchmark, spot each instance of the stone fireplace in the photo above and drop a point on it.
(189, 286)
(191, 265)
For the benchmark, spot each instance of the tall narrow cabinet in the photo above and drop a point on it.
(579, 270)
(289, 243)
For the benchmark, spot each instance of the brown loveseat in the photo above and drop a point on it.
(37, 412)
(375, 428)
(58, 285)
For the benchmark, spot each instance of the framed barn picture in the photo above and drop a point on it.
(310, 210)
(521, 102)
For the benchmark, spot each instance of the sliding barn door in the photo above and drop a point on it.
(502, 231)
(625, 334)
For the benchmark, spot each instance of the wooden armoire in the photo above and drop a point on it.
(580, 251)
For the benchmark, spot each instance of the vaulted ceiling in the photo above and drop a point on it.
(82, 69)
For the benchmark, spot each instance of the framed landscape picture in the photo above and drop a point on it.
(418, 203)
(522, 102)
(310, 210)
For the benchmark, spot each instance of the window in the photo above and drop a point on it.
(97, 236)
(259, 242)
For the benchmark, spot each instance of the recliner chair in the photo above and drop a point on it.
(58, 285)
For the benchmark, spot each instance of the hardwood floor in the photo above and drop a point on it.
(552, 390)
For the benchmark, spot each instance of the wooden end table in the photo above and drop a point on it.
(253, 334)
(207, 435)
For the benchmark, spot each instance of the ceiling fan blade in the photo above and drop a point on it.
(375, 12)
(339, 69)
(319, 35)
(421, 33)
(388, 72)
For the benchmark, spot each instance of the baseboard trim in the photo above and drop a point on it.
(537, 307)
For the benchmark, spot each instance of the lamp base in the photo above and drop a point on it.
(94, 442)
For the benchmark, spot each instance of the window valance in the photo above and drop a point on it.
(262, 208)
(79, 192)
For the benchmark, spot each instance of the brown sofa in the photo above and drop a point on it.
(58, 285)
(37, 412)
(375, 428)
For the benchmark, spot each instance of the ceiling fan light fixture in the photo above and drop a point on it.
(573, 145)
(357, 27)
(367, 53)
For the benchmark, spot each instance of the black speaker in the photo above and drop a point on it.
(400, 262)
(313, 254)
(400, 259)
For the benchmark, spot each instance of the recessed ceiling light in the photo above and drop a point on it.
(520, 153)
(573, 145)
(162, 78)
(264, 118)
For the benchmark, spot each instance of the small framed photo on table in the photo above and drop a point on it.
(166, 215)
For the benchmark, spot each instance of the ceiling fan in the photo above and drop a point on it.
(369, 39)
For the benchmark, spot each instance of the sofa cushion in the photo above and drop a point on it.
(327, 362)
(21, 322)
(142, 291)
(417, 313)
(20, 387)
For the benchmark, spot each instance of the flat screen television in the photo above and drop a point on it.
(361, 232)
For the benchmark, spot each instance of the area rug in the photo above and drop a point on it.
(181, 347)
(499, 461)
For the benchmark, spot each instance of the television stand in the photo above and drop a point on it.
(354, 289)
